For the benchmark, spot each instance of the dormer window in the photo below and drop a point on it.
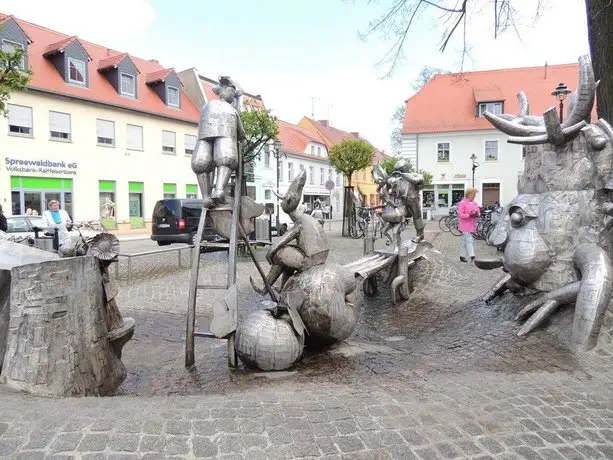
(493, 107)
(76, 71)
(173, 96)
(10, 47)
(128, 85)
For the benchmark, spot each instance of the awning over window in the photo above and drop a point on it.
(493, 94)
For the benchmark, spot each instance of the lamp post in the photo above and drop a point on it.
(473, 157)
(278, 153)
(560, 93)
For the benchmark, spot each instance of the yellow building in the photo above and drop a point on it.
(361, 180)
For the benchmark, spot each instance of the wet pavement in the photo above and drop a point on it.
(441, 375)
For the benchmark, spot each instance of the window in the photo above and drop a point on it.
(301, 167)
(170, 191)
(492, 107)
(168, 142)
(128, 85)
(20, 120)
(134, 138)
(105, 132)
(290, 172)
(524, 151)
(267, 159)
(312, 150)
(280, 169)
(442, 149)
(338, 180)
(59, 126)
(106, 197)
(173, 96)
(267, 195)
(135, 204)
(318, 151)
(311, 175)
(491, 150)
(329, 174)
(321, 176)
(76, 71)
(11, 48)
(190, 144)
(191, 191)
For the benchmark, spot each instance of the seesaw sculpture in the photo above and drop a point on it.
(61, 332)
(319, 302)
(556, 235)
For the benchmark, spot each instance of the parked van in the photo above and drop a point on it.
(176, 221)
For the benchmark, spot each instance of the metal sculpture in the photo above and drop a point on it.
(556, 236)
(400, 192)
(215, 156)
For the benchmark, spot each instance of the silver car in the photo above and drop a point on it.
(23, 225)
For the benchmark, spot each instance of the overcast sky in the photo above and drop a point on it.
(291, 51)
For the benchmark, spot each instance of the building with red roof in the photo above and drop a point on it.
(444, 126)
(94, 124)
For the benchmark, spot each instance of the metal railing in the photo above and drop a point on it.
(129, 258)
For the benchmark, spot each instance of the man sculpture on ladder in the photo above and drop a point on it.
(216, 151)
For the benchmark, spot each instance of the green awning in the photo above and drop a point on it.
(106, 185)
(135, 187)
(170, 188)
(41, 183)
(189, 188)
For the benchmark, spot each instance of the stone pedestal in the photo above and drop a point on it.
(58, 342)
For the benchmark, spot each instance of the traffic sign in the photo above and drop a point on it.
(330, 185)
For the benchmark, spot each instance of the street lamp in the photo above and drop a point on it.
(473, 157)
(560, 93)
(278, 153)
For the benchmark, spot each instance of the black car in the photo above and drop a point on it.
(176, 221)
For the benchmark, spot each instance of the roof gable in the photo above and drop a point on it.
(295, 139)
(114, 62)
(10, 20)
(60, 47)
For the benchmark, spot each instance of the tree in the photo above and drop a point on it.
(347, 157)
(424, 76)
(396, 136)
(12, 77)
(260, 128)
(600, 30)
(351, 155)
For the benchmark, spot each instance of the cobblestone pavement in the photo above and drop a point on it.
(439, 376)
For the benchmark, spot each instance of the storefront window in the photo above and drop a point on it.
(32, 194)
(135, 201)
(428, 198)
(107, 202)
(443, 196)
(191, 191)
(170, 191)
(457, 194)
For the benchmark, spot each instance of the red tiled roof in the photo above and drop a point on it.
(449, 102)
(112, 61)
(8, 18)
(59, 47)
(159, 75)
(295, 139)
(379, 157)
(46, 77)
(331, 135)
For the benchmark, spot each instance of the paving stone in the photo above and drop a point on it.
(39, 440)
(94, 442)
(203, 447)
(491, 445)
(65, 442)
(152, 443)
(30, 455)
(305, 449)
(123, 442)
(348, 444)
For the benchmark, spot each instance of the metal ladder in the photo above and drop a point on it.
(195, 286)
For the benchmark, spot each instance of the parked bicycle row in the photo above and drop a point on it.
(490, 216)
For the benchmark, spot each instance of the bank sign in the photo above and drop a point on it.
(40, 166)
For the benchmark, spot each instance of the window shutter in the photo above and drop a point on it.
(135, 137)
(168, 139)
(20, 115)
(190, 142)
(106, 129)
(59, 122)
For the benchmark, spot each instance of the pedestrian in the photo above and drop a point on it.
(468, 211)
(55, 217)
(4, 225)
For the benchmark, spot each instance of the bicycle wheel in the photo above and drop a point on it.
(353, 232)
(442, 223)
(478, 233)
(453, 227)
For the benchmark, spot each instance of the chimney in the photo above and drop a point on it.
(326, 123)
(355, 134)
(546, 70)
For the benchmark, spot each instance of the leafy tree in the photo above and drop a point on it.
(351, 155)
(396, 21)
(427, 177)
(12, 77)
(260, 128)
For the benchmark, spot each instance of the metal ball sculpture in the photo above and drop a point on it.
(269, 343)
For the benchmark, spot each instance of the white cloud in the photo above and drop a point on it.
(112, 23)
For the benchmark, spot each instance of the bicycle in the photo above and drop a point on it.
(363, 218)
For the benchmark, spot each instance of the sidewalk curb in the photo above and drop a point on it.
(133, 237)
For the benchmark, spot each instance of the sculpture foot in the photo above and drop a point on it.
(498, 288)
(418, 238)
(261, 291)
(120, 336)
(565, 294)
(208, 202)
(541, 315)
(397, 286)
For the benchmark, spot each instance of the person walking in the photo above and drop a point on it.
(468, 211)
(4, 225)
